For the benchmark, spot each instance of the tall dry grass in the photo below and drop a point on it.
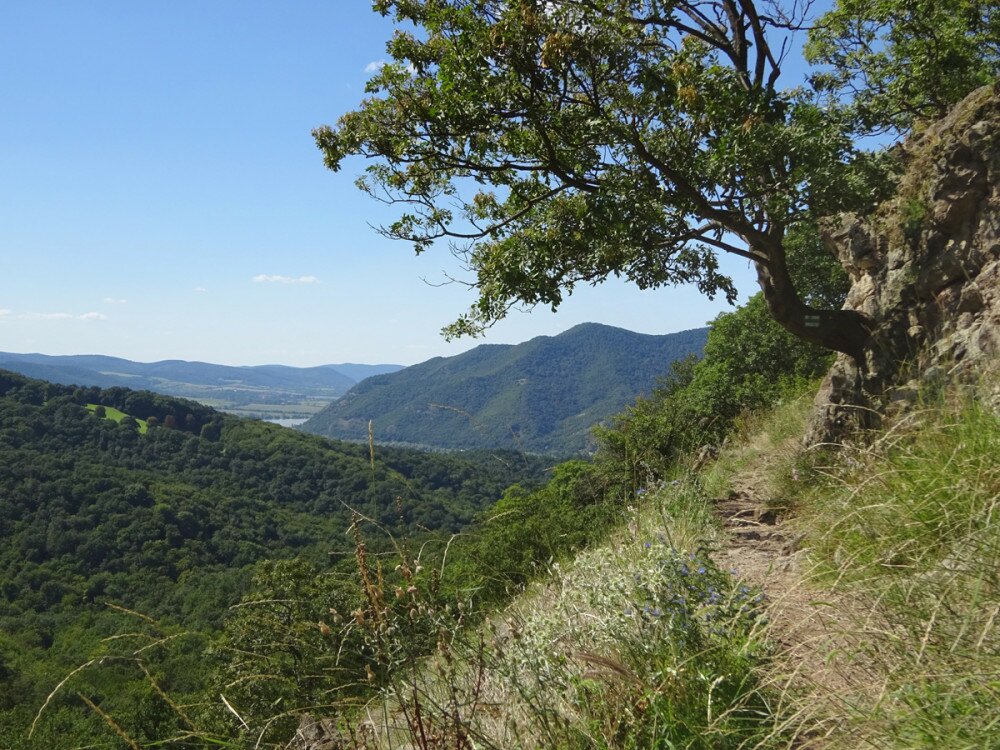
(906, 527)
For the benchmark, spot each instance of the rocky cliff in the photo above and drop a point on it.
(925, 269)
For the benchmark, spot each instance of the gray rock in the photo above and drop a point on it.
(934, 295)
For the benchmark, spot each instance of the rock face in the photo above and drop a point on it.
(925, 269)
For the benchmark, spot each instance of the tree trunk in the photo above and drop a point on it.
(845, 331)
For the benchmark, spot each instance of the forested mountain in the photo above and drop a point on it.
(223, 386)
(164, 506)
(543, 395)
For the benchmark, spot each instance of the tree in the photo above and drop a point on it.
(901, 61)
(567, 141)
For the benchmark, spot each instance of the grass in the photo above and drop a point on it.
(763, 454)
(906, 524)
(902, 538)
(117, 416)
(641, 642)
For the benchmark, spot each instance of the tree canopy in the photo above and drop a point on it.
(895, 62)
(564, 142)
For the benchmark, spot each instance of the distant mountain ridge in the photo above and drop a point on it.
(543, 395)
(220, 385)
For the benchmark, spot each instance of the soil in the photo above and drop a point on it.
(818, 662)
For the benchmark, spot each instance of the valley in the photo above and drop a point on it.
(117, 501)
(769, 524)
(268, 392)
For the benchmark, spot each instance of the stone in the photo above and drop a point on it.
(933, 295)
(970, 299)
(947, 299)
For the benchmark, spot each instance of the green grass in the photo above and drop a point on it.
(117, 416)
(906, 526)
(763, 454)
(642, 642)
(912, 501)
(902, 529)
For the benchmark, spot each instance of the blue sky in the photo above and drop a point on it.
(161, 196)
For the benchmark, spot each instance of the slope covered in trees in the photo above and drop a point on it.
(92, 508)
(172, 522)
(543, 395)
(309, 637)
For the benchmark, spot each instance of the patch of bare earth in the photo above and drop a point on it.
(818, 667)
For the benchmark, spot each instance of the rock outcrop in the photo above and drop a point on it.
(925, 269)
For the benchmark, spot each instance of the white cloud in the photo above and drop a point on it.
(45, 316)
(62, 316)
(200, 289)
(4, 312)
(114, 301)
(264, 278)
(376, 65)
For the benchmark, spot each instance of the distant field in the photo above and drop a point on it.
(117, 416)
(299, 410)
(261, 391)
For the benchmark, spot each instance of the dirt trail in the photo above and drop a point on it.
(810, 625)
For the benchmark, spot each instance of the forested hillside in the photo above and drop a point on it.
(544, 395)
(93, 507)
(164, 506)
